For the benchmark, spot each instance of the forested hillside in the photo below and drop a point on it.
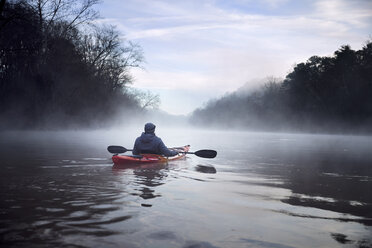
(59, 67)
(324, 93)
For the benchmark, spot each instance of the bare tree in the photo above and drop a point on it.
(150, 100)
(52, 63)
(110, 56)
(72, 12)
(146, 99)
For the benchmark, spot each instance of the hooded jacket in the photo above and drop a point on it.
(150, 143)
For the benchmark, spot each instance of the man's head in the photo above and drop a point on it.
(150, 128)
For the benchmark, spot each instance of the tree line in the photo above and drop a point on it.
(57, 65)
(330, 93)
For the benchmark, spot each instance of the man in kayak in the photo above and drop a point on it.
(148, 142)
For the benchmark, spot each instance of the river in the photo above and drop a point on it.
(280, 190)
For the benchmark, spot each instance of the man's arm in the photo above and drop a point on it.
(165, 151)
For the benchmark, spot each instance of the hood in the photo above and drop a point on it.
(150, 128)
(147, 137)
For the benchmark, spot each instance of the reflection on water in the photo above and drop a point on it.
(59, 189)
(338, 181)
(205, 169)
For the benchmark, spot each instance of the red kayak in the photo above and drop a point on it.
(132, 160)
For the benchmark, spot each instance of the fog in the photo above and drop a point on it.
(294, 154)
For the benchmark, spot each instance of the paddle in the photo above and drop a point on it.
(117, 149)
(204, 153)
(201, 153)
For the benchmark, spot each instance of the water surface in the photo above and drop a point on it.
(59, 189)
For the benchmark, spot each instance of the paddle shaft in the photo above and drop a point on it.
(200, 153)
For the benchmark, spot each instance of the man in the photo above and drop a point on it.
(148, 142)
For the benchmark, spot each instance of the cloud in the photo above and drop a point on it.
(217, 46)
(275, 3)
(166, 80)
(329, 18)
(353, 13)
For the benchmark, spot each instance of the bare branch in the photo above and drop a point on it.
(84, 14)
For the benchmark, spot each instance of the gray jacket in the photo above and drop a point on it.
(150, 143)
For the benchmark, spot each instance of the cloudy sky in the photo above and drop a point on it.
(196, 50)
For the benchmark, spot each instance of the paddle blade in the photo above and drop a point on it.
(206, 153)
(116, 149)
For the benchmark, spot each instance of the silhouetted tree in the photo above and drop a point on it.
(50, 67)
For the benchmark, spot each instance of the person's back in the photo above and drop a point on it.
(148, 142)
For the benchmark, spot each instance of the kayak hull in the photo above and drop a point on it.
(125, 160)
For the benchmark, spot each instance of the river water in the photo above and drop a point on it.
(59, 189)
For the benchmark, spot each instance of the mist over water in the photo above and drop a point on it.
(67, 68)
(59, 188)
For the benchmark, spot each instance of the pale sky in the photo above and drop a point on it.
(196, 50)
